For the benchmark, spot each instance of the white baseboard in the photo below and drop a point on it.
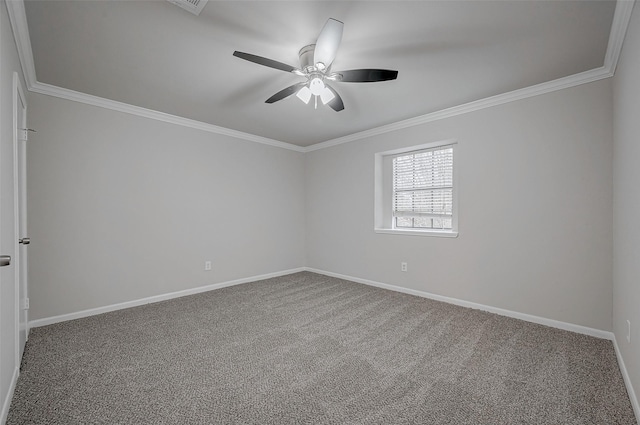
(508, 313)
(502, 312)
(522, 316)
(7, 400)
(627, 381)
(154, 299)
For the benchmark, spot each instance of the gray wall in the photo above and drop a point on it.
(535, 208)
(626, 201)
(123, 207)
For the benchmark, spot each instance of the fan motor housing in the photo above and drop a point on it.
(306, 58)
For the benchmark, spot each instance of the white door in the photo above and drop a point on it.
(9, 335)
(21, 135)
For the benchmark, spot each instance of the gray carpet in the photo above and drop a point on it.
(310, 349)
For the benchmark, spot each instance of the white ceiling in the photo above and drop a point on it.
(155, 55)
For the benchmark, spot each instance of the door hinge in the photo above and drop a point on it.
(25, 135)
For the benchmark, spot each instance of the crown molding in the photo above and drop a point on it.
(101, 102)
(18, 18)
(548, 87)
(621, 18)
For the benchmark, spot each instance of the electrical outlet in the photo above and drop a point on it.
(403, 266)
(628, 331)
(26, 303)
(207, 265)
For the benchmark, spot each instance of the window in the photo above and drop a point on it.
(415, 191)
(423, 189)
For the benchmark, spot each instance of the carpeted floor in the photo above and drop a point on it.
(310, 349)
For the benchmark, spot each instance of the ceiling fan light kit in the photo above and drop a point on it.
(315, 66)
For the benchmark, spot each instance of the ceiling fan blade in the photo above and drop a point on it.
(336, 103)
(286, 92)
(328, 42)
(367, 75)
(264, 61)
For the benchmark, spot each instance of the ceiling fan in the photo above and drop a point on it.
(315, 66)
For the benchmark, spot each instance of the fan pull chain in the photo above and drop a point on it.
(316, 101)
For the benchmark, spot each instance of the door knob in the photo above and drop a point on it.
(25, 241)
(5, 260)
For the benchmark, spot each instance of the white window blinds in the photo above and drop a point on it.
(423, 187)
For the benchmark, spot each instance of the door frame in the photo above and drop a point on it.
(18, 93)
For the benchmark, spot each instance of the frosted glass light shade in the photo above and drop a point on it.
(304, 94)
(326, 96)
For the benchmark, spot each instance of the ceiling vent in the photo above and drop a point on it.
(193, 6)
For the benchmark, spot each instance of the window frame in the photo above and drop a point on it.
(383, 191)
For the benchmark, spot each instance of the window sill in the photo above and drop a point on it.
(433, 233)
